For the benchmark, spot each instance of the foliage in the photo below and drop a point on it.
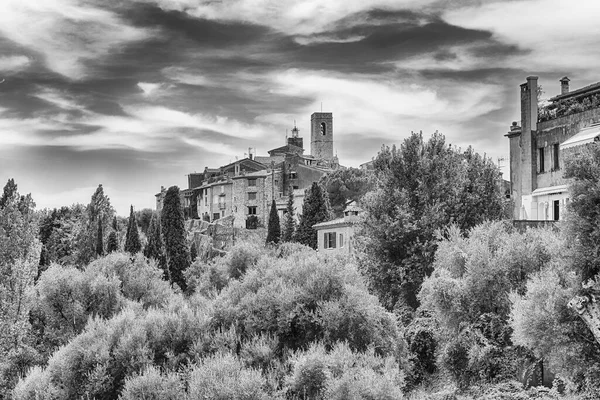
(274, 228)
(19, 258)
(132, 239)
(100, 240)
(582, 222)
(151, 384)
(9, 193)
(99, 209)
(345, 185)
(314, 210)
(60, 231)
(224, 377)
(96, 363)
(566, 107)
(173, 231)
(344, 374)
(303, 298)
(193, 252)
(289, 221)
(420, 188)
(143, 218)
(112, 245)
(155, 249)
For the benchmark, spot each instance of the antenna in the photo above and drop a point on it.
(321, 106)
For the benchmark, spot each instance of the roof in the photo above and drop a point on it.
(586, 90)
(266, 160)
(256, 174)
(353, 207)
(584, 136)
(288, 148)
(549, 190)
(333, 223)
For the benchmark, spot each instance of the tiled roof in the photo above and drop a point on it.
(595, 87)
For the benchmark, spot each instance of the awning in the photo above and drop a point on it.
(584, 136)
(549, 190)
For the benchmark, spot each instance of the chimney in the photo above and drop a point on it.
(564, 85)
(250, 154)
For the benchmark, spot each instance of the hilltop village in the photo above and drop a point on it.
(247, 187)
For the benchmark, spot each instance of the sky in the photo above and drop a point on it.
(136, 94)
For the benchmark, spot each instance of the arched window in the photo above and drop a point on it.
(323, 128)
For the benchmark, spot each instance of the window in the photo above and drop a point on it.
(341, 240)
(541, 159)
(323, 128)
(252, 196)
(295, 187)
(252, 182)
(215, 199)
(252, 210)
(293, 175)
(329, 240)
(555, 160)
(216, 216)
(556, 210)
(222, 189)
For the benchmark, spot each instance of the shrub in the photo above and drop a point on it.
(224, 377)
(151, 384)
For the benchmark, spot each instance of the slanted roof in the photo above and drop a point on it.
(584, 91)
(288, 148)
(584, 136)
(266, 160)
(333, 223)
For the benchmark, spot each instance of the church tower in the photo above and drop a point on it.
(321, 135)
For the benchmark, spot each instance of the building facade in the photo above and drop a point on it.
(548, 135)
(336, 236)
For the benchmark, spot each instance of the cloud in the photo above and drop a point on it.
(68, 33)
(560, 35)
(13, 63)
(149, 88)
(290, 16)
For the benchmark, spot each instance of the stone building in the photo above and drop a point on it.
(247, 187)
(547, 135)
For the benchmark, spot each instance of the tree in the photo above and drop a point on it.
(420, 188)
(112, 244)
(155, 248)
(19, 259)
(100, 240)
(132, 239)
(10, 190)
(344, 186)
(99, 208)
(143, 218)
(289, 222)
(173, 230)
(274, 230)
(193, 252)
(314, 210)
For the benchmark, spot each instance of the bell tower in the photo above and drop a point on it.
(321, 135)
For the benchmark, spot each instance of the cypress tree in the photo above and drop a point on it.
(115, 224)
(112, 243)
(193, 252)
(289, 223)
(173, 229)
(274, 230)
(100, 239)
(155, 248)
(315, 209)
(132, 239)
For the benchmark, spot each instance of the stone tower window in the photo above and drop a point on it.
(323, 128)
